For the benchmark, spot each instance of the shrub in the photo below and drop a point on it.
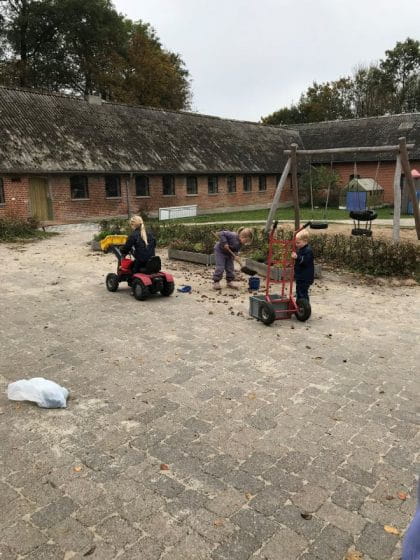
(378, 257)
(18, 228)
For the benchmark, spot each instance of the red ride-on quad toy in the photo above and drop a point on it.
(149, 280)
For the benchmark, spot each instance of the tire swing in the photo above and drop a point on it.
(362, 219)
(318, 224)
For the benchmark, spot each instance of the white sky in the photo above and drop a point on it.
(248, 58)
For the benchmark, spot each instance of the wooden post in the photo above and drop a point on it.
(277, 195)
(397, 200)
(410, 183)
(295, 186)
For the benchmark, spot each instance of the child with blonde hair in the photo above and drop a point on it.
(226, 251)
(304, 265)
(142, 242)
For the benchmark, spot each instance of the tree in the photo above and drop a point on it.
(392, 86)
(148, 74)
(87, 47)
(401, 65)
(318, 183)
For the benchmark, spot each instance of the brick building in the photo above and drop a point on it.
(66, 159)
(371, 131)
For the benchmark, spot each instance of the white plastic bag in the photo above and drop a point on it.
(43, 392)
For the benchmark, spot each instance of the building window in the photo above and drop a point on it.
(192, 185)
(2, 199)
(79, 186)
(112, 186)
(262, 183)
(142, 185)
(247, 182)
(213, 186)
(231, 183)
(168, 184)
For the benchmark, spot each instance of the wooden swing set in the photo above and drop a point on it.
(402, 166)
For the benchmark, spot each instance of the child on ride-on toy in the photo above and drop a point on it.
(144, 244)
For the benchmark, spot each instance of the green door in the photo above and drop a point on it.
(38, 194)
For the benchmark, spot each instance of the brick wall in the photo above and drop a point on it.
(385, 175)
(16, 194)
(66, 209)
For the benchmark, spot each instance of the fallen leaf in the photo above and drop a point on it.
(218, 522)
(389, 497)
(306, 515)
(391, 530)
(164, 467)
(252, 396)
(77, 469)
(402, 495)
(354, 555)
(248, 496)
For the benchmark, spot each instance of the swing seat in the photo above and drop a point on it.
(318, 225)
(361, 232)
(363, 215)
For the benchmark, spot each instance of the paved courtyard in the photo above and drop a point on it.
(194, 432)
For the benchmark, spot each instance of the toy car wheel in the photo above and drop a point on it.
(140, 291)
(112, 282)
(266, 313)
(304, 310)
(168, 289)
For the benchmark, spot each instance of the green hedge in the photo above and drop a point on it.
(378, 257)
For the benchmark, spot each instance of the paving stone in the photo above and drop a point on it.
(349, 496)
(144, 549)
(7, 495)
(331, 543)
(342, 518)
(221, 466)
(244, 482)
(22, 537)
(310, 498)
(209, 525)
(357, 475)
(227, 502)
(285, 481)
(170, 532)
(269, 500)
(71, 536)
(185, 504)
(197, 425)
(54, 513)
(193, 547)
(290, 516)
(294, 462)
(165, 486)
(376, 542)
(283, 545)
(255, 523)
(118, 532)
(258, 463)
(239, 546)
(145, 504)
(6, 553)
(44, 552)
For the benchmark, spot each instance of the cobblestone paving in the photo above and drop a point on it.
(194, 432)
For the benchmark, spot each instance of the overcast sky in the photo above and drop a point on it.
(248, 58)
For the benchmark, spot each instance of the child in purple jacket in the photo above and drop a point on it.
(225, 251)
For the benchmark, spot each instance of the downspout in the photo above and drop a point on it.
(127, 183)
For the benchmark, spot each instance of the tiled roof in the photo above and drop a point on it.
(372, 131)
(58, 134)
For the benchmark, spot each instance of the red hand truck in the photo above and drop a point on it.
(280, 270)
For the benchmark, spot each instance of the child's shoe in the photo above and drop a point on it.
(217, 286)
(232, 286)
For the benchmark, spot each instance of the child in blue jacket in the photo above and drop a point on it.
(304, 265)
